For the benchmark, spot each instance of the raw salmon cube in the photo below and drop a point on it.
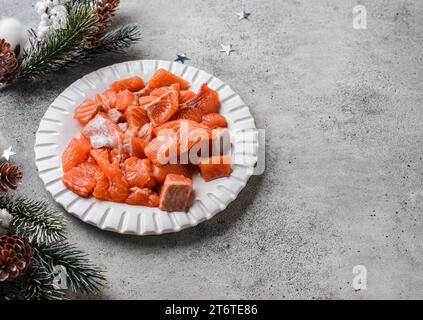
(162, 150)
(136, 116)
(103, 132)
(215, 167)
(175, 193)
(75, 153)
(160, 173)
(132, 84)
(107, 99)
(125, 99)
(143, 197)
(206, 101)
(118, 186)
(138, 172)
(79, 181)
(164, 107)
(86, 111)
(214, 120)
(163, 78)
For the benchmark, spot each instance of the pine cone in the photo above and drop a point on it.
(9, 67)
(105, 11)
(15, 257)
(10, 175)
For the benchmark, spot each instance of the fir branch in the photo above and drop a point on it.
(35, 284)
(62, 46)
(81, 274)
(33, 220)
(117, 40)
(46, 230)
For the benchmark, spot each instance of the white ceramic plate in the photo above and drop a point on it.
(58, 127)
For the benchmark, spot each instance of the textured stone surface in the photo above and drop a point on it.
(343, 183)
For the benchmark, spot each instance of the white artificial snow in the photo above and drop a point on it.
(53, 15)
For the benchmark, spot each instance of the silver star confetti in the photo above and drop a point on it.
(227, 49)
(182, 58)
(243, 14)
(7, 153)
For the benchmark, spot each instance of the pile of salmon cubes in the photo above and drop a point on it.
(141, 143)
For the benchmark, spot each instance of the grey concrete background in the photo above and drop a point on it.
(343, 183)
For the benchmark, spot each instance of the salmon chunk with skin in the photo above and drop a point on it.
(175, 193)
(215, 167)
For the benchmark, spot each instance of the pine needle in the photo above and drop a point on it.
(46, 232)
(35, 284)
(33, 220)
(81, 274)
(64, 46)
(72, 44)
(117, 40)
